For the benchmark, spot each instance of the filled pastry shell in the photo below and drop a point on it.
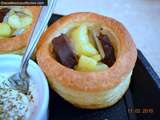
(94, 89)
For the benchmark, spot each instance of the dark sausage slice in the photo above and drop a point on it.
(63, 51)
(109, 58)
(3, 13)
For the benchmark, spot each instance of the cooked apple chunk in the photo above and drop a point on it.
(96, 57)
(101, 66)
(14, 21)
(17, 22)
(86, 64)
(5, 30)
(25, 21)
(81, 42)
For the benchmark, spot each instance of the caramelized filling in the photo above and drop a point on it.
(3, 13)
(108, 49)
(63, 51)
(85, 54)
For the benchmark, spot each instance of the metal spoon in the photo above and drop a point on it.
(20, 80)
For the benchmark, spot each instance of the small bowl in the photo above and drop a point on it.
(10, 64)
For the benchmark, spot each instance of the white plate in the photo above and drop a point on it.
(10, 64)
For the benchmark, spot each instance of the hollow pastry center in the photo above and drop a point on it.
(84, 48)
(14, 21)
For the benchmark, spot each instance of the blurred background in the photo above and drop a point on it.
(140, 17)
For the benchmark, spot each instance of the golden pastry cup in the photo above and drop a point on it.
(18, 43)
(91, 90)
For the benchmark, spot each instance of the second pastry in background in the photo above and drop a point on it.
(16, 24)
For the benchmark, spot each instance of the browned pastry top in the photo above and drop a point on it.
(88, 81)
(20, 41)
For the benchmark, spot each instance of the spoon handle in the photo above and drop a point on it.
(39, 28)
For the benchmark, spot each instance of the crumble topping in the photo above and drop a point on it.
(13, 104)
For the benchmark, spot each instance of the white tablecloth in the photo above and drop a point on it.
(140, 17)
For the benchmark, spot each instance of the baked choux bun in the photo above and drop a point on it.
(88, 59)
(16, 25)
